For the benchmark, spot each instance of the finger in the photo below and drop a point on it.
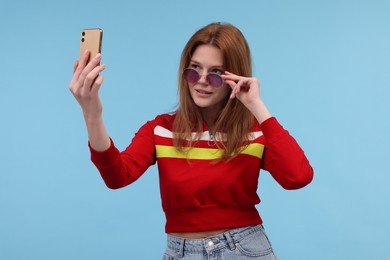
(83, 61)
(241, 85)
(74, 78)
(238, 86)
(231, 76)
(80, 67)
(98, 81)
(232, 95)
(97, 84)
(93, 64)
(232, 85)
(75, 65)
(235, 92)
(92, 76)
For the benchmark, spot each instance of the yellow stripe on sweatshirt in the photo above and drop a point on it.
(163, 151)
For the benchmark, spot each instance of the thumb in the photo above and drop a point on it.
(75, 65)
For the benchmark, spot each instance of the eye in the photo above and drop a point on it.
(195, 66)
(217, 71)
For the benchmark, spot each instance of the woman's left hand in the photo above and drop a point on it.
(247, 90)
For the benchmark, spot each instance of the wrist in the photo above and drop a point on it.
(260, 111)
(93, 119)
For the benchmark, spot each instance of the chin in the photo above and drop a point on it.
(202, 104)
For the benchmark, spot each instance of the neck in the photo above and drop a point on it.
(209, 117)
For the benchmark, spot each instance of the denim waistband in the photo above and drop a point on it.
(212, 243)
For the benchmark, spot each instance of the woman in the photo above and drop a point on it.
(209, 152)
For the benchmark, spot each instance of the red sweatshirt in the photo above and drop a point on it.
(197, 193)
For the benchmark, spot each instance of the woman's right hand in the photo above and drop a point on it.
(86, 83)
(85, 87)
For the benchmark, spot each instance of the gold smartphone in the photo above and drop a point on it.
(91, 39)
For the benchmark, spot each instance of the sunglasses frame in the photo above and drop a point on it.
(200, 75)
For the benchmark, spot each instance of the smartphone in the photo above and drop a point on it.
(91, 39)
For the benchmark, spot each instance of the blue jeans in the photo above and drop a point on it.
(240, 243)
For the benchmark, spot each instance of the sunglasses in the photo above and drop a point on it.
(213, 79)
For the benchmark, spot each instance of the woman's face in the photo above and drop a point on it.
(206, 59)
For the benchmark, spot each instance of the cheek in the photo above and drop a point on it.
(224, 91)
(190, 89)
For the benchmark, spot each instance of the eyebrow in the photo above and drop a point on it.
(212, 67)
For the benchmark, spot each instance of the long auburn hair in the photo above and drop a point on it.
(234, 120)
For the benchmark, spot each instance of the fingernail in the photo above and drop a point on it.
(98, 56)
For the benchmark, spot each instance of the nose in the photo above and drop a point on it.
(203, 79)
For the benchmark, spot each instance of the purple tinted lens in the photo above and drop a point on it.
(214, 80)
(191, 75)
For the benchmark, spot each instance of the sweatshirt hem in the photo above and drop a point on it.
(211, 218)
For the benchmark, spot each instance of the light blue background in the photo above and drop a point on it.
(324, 70)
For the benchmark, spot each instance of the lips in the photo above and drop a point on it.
(203, 92)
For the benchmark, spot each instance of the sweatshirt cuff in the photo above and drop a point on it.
(272, 130)
(104, 158)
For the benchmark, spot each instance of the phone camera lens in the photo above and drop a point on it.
(82, 39)
(83, 34)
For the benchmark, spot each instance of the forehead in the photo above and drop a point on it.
(208, 56)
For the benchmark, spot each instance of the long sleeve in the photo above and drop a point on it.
(119, 169)
(284, 158)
